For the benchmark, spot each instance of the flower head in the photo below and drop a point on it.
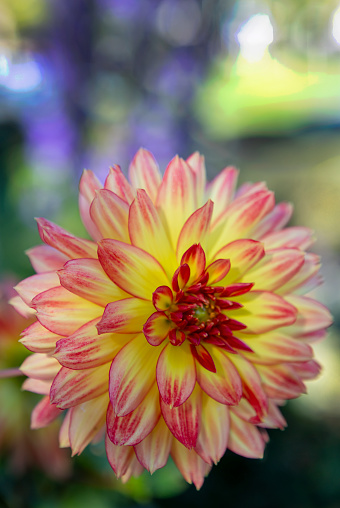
(181, 328)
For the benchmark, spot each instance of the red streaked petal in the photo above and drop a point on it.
(275, 269)
(218, 270)
(274, 221)
(117, 183)
(176, 197)
(243, 255)
(157, 328)
(110, 214)
(44, 413)
(144, 173)
(147, 232)
(131, 268)
(32, 286)
(213, 437)
(176, 374)
(63, 312)
(245, 439)
(221, 190)
(263, 311)
(87, 279)
(290, 238)
(180, 277)
(153, 451)
(281, 381)
(125, 316)
(132, 374)
(40, 366)
(120, 457)
(312, 316)
(190, 464)
(224, 385)
(38, 339)
(86, 349)
(162, 298)
(88, 185)
(195, 228)
(132, 428)
(65, 242)
(274, 418)
(307, 370)
(184, 420)
(85, 422)
(197, 164)
(44, 258)
(72, 387)
(194, 257)
(306, 278)
(203, 357)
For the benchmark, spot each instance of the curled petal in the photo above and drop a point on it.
(28, 288)
(44, 258)
(110, 214)
(153, 451)
(21, 307)
(195, 228)
(194, 257)
(157, 328)
(203, 357)
(125, 316)
(38, 339)
(44, 413)
(181, 277)
(243, 255)
(117, 183)
(176, 374)
(218, 270)
(190, 464)
(245, 439)
(162, 298)
(144, 173)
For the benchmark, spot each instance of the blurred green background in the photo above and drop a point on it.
(251, 83)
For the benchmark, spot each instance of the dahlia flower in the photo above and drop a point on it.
(181, 328)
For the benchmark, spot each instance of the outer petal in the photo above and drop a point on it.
(221, 190)
(87, 190)
(45, 258)
(132, 374)
(195, 229)
(176, 374)
(312, 316)
(144, 173)
(73, 387)
(131, 268)
(86, 349)
(176, 197)
(86, 278)
(184, 421)
(147, 232)
(135, 426)
(245, 439)
(64, 439)
(117, 183)
(281, 381)
(38, 339)
(21, 307)
(243, 255)
(274, 221)
(213, 437)
(153, 451)
(306, 279)
(275, 269)
(120, 458)
(44, 413)
(224, 385)
(109, 213)
(63, 312)
(125, 316)
(85, 422)
(292, 238)
(263, 311)
(64, 241)
(37, 386)
(40, 366)
(197, 164)
(32, 286)
(190, 464)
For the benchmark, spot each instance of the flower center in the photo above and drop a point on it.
(202, 313)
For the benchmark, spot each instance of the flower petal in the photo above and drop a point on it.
(153, 451)
(290, 238)
(312, 316)
(32, 286)
(37, 386)
(245, 439)
(65, 242)
(38, 339)
(306, 278)
(144, 173)
(263, 311)
(85, 421)
(125, 316)
(213, 437)
(275, 220)
(64, 439)
(243, 255)
(224, 385)
(176, 374)
(281, 381)
(110, 214)
(194, 257)
(197, 164)
(190, 464)
(162, 298)
(195, 228)
(73, 387)
(132, 428)
(147, 232)
(221, 190)
(63, 312)
(88, 185)
(117, 183)
(184, 420)
(40, 366)
(218, 270)
(119, 457)
(132, 374)
(44, 258)
(176, 198)
(87, 279)
(131, 268)
(157, 328)
(21, 307)
(44, 413)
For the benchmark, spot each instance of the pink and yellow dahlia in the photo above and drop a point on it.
(181, 327)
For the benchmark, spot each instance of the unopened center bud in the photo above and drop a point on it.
(202, 313)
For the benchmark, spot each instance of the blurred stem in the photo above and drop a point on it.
(10, 373)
